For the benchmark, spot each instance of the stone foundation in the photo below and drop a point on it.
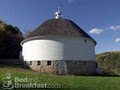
(81, 68)
(61, 67)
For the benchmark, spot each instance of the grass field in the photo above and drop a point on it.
(64, 82)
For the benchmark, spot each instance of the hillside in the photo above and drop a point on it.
(109, 62)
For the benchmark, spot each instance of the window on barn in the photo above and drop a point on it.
(85, 63)
(85, 40)
(38, 62)
(96, 64)
(48, 62)
(75, 63)
(30, 62)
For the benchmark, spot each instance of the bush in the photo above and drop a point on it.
(109, 62)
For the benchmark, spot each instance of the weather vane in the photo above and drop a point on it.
(58, 14)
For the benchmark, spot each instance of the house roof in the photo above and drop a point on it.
(61, 27)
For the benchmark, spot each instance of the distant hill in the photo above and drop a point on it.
(109, 62)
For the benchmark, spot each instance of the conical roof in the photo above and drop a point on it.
(59, 27)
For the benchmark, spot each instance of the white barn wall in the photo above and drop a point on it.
(59, 48)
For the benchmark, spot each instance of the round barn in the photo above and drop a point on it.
(59, 46)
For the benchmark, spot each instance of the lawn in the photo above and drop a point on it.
(21, 75)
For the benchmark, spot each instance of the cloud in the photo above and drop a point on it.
(69, 1)
(96, 31)
(117, 40)
(114, 27)
(99, 31)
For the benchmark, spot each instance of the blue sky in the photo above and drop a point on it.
(99, 18)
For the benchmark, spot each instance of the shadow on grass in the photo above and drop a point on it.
(107, 75)
(27, 68)
(14, 66)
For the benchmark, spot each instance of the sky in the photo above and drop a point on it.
(99, 18)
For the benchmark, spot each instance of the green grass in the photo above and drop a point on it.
(70, 82)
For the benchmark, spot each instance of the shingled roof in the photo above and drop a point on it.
(59, 27)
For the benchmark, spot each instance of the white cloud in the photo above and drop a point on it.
(115, 27)
(117, 40)
(99, 31)
(106, 28)
(96, 31)
(69, 1)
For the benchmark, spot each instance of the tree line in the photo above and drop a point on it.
(10, 38)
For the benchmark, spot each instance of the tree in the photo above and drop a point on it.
(10, 38)
(27, 33)
(109, 62)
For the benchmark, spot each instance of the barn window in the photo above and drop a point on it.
(75, 63)
(85, 40)
(48, 62)
(85, 63)
(96, 64)
(30, 62)
(38, 62)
